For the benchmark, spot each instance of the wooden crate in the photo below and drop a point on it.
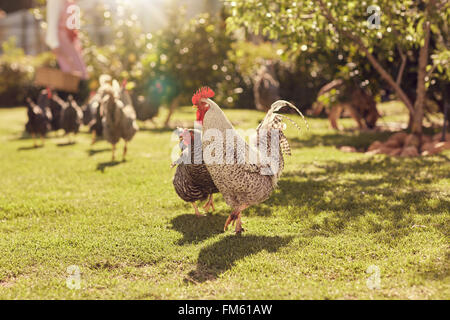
(56, 79)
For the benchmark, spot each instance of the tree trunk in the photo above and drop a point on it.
(421, 89)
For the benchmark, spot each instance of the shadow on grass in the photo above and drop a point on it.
(26, 136)
(103, 165)
(30, 148)
(221, 256)
(196, 229)
(357, 139)
(389, 190)
(66, 144)
(93, 152)
(156, 130)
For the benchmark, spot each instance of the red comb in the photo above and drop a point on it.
(202, 93)
(49, 93)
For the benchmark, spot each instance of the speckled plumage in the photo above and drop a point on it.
(243, 184)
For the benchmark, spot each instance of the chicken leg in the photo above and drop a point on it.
(124, 152)
(33, 135)
(94, 137)
(238, 229)
(236, 216)
(113, 152)
(197, 213)
(209, 203)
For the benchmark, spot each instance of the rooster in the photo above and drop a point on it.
(242, 182)
(192, 181)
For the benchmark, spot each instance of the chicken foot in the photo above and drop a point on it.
(238, 229)
(235, 216)
(209, 203)
(197, 212)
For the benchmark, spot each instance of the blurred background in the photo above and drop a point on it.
(166, 49)
(371, 190)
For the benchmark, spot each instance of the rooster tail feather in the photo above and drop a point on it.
(284, 144)
(275, 107)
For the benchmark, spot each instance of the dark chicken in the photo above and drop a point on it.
(38, 121)
(88, 112)
(92, 117)
(71, 118)
(192, 181)
(51, 100)
(146, 109)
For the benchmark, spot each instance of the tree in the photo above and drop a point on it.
(378, 31)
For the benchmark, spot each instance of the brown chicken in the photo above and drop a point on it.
(38, 121)
(119, 118)
(192, 181)
(243, 181)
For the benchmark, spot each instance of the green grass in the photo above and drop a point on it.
(333, 215)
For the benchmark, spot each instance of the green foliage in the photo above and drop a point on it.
(17, 72)
(336, 27)
(172, 62)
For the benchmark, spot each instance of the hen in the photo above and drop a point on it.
(92, 117)
(230, 160)
(38, 121)
(119, 117)
(71, 118)
(192, 180)
(51, 100)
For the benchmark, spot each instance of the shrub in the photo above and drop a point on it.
(17, 73)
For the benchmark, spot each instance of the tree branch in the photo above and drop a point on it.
(378, 67)
(402, 66)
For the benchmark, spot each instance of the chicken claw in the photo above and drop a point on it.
(233, 216)
(197, 213)
(209, 203)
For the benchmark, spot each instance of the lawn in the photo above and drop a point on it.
(334, 215)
